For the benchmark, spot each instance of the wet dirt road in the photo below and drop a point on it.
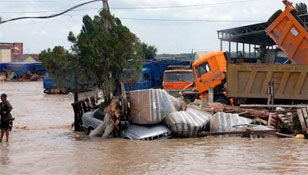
(42, 143)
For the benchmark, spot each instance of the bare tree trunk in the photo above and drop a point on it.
(105, 5)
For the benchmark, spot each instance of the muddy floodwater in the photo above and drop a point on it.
(42, 142)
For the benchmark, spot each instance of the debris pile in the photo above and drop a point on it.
(153, 107)
(8, 75)
(289, 120)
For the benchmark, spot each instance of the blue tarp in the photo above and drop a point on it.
(22, 68)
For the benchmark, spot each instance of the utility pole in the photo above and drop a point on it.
(105, 5)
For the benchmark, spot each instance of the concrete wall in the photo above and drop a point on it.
(5, 55)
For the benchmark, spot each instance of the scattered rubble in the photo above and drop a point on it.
(8, 75)
(156, 106)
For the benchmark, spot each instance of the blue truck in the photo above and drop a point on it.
(152, 75)
(153, 72)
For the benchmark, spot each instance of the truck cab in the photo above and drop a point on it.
(209, 71)
(144, 81)
(178, 79)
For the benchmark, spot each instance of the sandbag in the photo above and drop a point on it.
(188, 123)
(35, 77)
(226, 122)
(151, 106)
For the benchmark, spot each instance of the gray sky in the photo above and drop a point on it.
(167, 36)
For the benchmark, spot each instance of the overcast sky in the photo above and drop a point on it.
(167, 36)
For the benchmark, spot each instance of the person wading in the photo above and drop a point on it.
(6, 117)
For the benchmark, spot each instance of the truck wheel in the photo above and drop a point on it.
(89, 130)
(223, 100)
(273, 17)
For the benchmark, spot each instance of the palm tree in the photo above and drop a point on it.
(148, 51)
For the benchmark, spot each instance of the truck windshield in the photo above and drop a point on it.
(203, 69)
(179, 77)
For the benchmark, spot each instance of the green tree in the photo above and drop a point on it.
(105, 48)
(59, 64)
(301, 7)
(148, 51)
(62, 66)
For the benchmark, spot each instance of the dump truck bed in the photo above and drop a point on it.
(251, 81)
(290, 33)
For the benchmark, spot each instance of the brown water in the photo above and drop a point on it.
(42, 143)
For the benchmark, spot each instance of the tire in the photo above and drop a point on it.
(89, 130)
(223, 100)
(273, 17)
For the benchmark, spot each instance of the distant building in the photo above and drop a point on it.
(16, 48)
(5, 56)
(26, 58)
(13, 52)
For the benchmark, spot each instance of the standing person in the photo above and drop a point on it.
(6, 117)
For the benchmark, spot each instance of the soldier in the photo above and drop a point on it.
(6, 117)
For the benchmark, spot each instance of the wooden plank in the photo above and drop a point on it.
(202, 134)
(285, 135)
(269, 119)
(211, 95)
(301, 119)
(259, 120)
(271, 106)
(305, 115)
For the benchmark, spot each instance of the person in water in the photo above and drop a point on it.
(6, 117)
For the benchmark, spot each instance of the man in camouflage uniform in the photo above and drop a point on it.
(6, 117)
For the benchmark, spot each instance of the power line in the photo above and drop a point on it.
(143, 8)
(23, 1)
(53, 11)
(50, 16)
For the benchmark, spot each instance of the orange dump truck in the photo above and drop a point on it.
(248, 83)
(290, 33)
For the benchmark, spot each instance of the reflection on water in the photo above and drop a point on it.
(42, 143)
(4, 156)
